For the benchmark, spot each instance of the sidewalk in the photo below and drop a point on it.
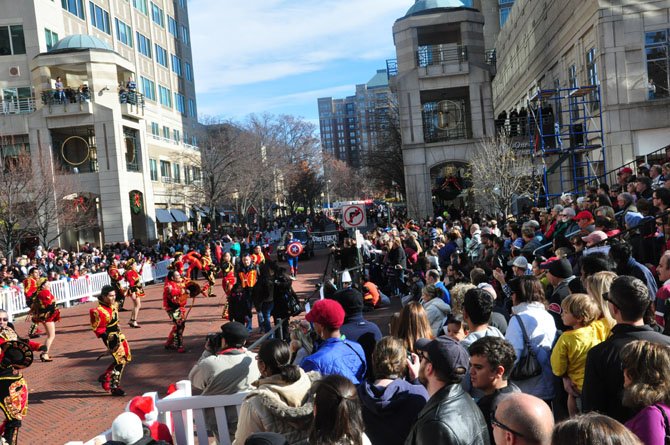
(67, 403)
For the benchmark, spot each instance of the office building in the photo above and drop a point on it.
(105, 89)
(351, 126)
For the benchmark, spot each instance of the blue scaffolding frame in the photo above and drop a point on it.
(565, 128)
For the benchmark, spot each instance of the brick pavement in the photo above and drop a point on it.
(66, 402)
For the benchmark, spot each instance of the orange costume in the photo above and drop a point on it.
(44, 307)
(193, 260)
(105, 325)
(174, 303)
(134, 280)
(29, 291)
(115, 277)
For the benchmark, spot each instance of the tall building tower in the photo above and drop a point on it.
(353, 125)
(443, 87)
(105, 90)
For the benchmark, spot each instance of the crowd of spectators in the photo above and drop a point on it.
(546, 329)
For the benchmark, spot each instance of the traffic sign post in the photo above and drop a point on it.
(353, 216)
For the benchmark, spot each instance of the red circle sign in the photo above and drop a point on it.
(354, 216)
(294, 249)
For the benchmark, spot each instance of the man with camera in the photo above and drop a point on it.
(225, 367)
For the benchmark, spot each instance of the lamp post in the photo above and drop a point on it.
(328, 194)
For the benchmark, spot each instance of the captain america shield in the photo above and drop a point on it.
(294, 249)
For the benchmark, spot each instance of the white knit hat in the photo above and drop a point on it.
(127, 428)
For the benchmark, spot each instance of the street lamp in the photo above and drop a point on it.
(328, 193)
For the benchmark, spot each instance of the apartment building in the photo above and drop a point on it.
(105, 90)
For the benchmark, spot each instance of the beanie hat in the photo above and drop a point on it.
(326, 312)
(144, 408)
(560, 268)
(127, 428)
(350, 299)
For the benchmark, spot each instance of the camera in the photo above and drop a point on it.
(214, 339)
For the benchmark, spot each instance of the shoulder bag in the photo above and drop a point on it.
(528, 365)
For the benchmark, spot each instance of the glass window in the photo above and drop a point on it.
(166, 132)
(176, 65)
(157, 15)
(153, 169)
(11, 40)
(124, 33)
(172, 27)
(75, 7)
(148, 88)
(143, 45)
(191, 108)
(180, 103)
(99, 18)
(155, 129)
(658, 64)
(164, 96)
(189, 71)
(184, 35)
(591, 67)
(165, 169)
(51, 38)
(176, 172)
(182, 3)
(187, 174)
(141, 5)
(161, 55)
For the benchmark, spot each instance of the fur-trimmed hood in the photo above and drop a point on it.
(287, 401)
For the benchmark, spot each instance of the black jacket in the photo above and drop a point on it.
(450, 417)
(603, 376)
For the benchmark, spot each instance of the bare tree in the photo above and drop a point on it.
(500, 174)
(223, 148)
(384, 161)
(58, 205)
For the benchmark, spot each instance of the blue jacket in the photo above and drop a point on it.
(338, 356)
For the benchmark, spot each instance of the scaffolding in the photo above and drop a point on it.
(565, 130)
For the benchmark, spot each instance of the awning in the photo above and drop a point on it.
(201, 212)
(179, 216)
(163, 216)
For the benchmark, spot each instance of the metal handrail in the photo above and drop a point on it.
(66, 96)
(544, 246)
(605, 176)
(440, 54)
(17, 105)
(278, 325)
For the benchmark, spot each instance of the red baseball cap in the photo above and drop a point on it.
(326, 312)
(625, 170)
(584, 214)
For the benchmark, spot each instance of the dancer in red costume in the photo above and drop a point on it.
(14, 356)
(105, 324)
(175, 297)
(30, 291)
(228, 280)
(44, 311)
(135, 289)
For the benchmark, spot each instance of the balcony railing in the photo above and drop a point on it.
(441, 54)
(172, 141)
(132, 98)
(66, 96)
(17, 105)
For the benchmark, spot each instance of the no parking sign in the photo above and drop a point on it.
(353, 216)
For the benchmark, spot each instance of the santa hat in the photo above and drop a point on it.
(127, 428)
(144, 408)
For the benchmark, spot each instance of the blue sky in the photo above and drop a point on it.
(279, 56)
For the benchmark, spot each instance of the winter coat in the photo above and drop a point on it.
(337, 356)
(437, 311)
(389, 413)
(278, 406)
